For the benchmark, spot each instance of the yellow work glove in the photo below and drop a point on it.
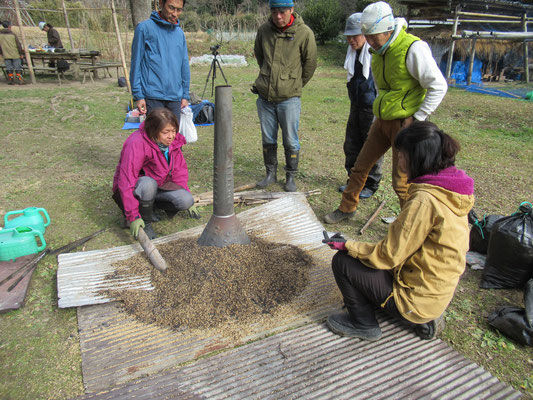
(135, 226)
(193, 212)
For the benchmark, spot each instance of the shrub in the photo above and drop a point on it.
(324, 17)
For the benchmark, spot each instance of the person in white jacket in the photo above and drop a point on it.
(362, 92)
(410, 87)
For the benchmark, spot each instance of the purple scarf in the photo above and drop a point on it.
(451, 178)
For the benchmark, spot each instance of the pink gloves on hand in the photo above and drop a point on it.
(336, 242)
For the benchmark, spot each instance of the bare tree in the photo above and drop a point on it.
(140, 10)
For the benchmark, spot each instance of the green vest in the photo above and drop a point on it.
(399, 94)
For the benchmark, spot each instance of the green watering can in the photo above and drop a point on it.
(31, 217)
(20, 241)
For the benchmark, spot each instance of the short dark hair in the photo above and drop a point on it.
(156, 121)
(6, 24)
(428, 149)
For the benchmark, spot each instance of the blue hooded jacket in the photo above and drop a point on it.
(159, 61)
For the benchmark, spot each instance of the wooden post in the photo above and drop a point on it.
(119, 40)
(68, 25)
(471, 65)
(452, 45)
(24, 45)
(526, 55)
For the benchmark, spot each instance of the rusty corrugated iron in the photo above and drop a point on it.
(123, 358)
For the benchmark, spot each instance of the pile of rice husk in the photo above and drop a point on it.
(207, 287)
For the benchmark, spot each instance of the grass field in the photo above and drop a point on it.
(60, 146)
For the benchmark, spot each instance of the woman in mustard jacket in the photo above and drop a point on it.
(413, 272)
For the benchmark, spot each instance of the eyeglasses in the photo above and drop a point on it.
(174, 9)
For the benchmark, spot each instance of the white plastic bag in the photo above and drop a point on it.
(187, 127)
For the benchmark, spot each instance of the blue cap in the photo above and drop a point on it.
(281, 3)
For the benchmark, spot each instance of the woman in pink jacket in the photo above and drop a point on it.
(152, 170)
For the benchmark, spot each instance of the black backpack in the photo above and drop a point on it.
(206, 115)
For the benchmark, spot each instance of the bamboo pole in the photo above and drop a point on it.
(472, 14)
(526, 55)
(119, 40)
(471, 65)
(68, 25)
(24, 44)
(452, 45)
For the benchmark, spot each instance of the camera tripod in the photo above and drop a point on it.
(213, 69)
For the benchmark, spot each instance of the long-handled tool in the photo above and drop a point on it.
(372, 218)
(30, 265)
(151, 252)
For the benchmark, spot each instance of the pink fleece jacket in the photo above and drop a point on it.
(141, 156)
(451, 178)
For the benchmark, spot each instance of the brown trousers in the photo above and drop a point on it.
(380, 139)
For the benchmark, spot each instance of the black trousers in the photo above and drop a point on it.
(364, 289)
(357, 128)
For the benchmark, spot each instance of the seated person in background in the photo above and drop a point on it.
(413, 272)
(151, 170)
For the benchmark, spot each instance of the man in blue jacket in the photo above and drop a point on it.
(160, 74)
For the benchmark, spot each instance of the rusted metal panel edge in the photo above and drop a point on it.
(82, 276)
(312, 363)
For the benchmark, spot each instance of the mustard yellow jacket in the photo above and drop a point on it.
(425, 248)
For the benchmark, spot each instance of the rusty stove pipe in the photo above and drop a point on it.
(223, 228)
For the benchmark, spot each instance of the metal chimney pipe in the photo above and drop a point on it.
(223, 228)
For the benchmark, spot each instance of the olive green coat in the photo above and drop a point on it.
(287, 60)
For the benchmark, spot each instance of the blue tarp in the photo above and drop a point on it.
(195, 111)
(486, 90)
(460, 70)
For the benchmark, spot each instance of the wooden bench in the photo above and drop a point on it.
(89, 69)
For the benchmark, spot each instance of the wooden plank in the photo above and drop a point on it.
(14, 299)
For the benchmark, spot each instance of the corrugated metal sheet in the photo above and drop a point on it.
(313, 363)
(82, 276)
(123, 358)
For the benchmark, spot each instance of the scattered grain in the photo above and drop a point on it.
(216, 288)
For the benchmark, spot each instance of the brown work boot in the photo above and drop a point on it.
(337, 216)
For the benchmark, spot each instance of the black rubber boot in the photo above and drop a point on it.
(10, 79)
(146, 209)
(291, 168)
(270, 158)
(168, 207)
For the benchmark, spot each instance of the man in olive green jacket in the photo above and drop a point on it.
(12, 52)
(285, 50)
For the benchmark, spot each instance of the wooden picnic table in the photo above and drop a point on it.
(76, 56)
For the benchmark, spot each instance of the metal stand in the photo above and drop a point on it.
(213, 69)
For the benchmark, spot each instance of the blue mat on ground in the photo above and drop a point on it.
(135, 125)
(196, 108)
(491, 91)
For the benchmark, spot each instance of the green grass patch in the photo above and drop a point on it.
(60, 146)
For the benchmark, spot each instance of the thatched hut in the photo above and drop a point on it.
(492, 31)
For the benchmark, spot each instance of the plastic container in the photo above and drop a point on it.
(20, 241)
(30, 217)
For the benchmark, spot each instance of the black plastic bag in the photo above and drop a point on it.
(528, 302)
(510, 253)
(480, 231)
(511, 321)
